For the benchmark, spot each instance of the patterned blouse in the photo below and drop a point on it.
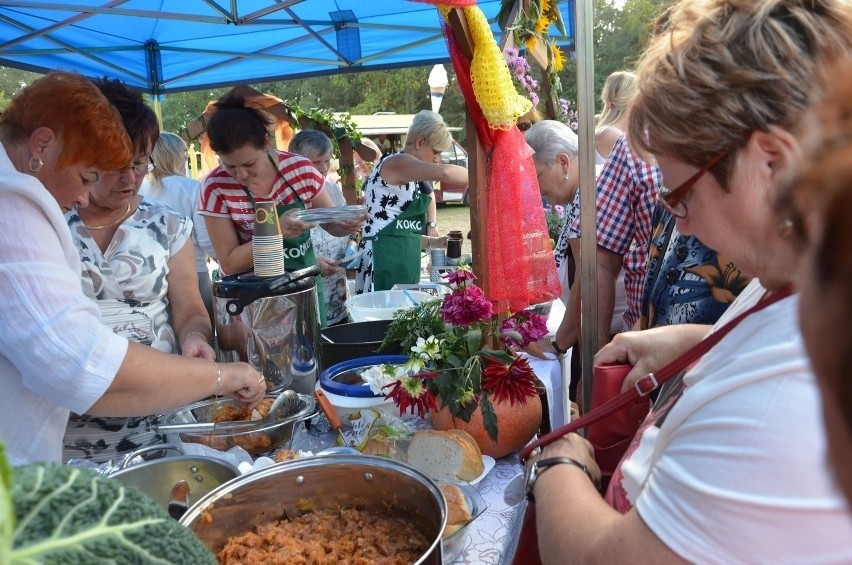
(128, 281)
(384, 203)
(129, 284)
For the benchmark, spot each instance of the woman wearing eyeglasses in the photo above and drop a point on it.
(729, 466)
(139, 266)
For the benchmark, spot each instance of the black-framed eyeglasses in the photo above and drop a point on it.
(672, 198)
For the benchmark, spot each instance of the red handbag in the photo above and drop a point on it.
(616, 416)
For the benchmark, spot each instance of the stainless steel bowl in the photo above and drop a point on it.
(257, 440)
(158, 477)
(453, 544)
(369, 483)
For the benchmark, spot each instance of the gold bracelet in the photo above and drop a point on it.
(218, 378)
(204, 337)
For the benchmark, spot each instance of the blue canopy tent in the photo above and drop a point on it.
(176, 45)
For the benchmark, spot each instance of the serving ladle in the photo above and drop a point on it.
(288, 400)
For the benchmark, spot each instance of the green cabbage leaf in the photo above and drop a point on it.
(71, 515)
(7, 515)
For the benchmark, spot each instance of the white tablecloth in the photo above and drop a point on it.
(493, 536)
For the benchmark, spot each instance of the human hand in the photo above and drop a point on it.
(243, 383)
(579, 449)
(352, 251)
(291, 227)
(195, 345)
(649, 350)
(540, 347)
(328, 266)
(431, 232)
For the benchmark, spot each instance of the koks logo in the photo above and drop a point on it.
(297, 252)
(416, 225)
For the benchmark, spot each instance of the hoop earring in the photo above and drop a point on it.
(35, 164)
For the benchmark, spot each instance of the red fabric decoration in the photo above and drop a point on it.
(521, 270)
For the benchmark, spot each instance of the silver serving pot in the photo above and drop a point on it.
(178, 482)
(370, 483)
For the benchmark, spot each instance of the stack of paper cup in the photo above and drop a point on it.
(267, 245)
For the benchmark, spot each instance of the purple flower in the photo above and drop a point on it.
(466, 306)
(530, 327)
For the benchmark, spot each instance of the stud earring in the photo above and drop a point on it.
(785, 228)
(35, 164)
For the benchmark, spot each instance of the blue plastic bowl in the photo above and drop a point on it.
(329, 384)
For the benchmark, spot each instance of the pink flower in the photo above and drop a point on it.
(466, 306)
(459, 276)
(514, 383)
(531, 327)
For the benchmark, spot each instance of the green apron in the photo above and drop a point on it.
(396, 247)
(299, 250)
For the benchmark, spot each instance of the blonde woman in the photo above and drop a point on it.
(168, 183)
(618, 91)
(400, 204)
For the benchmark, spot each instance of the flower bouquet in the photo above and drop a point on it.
(453, 356)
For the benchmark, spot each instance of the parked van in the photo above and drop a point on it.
(394, 128)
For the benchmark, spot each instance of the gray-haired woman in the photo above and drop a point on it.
(316, 147)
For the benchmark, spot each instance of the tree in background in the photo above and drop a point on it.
(620, 35)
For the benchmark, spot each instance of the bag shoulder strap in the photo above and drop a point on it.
(653, 381)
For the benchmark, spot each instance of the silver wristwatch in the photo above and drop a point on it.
(432, 224)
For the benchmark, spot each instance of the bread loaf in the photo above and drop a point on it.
(447, 456)
(458, 513)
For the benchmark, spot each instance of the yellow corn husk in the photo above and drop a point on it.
(492, 83)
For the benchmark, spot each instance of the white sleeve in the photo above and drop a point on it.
(49, 329)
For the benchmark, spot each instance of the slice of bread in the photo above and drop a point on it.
(445, 456)
(458, 513)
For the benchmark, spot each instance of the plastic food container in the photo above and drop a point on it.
(382, 304)
(347, 393)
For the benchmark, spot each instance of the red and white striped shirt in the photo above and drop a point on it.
(222, 196)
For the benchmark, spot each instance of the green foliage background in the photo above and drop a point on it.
(620, 34)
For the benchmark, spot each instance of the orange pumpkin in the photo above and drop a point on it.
(516, 425)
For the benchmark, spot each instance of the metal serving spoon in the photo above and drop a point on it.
(288, 399)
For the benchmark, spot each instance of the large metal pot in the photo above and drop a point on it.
(161, 478)
(370, 483)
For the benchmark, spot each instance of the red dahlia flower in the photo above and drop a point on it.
(514, 382)
(411, 392)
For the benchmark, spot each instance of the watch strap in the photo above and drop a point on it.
(543, 464)
(556, 348)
